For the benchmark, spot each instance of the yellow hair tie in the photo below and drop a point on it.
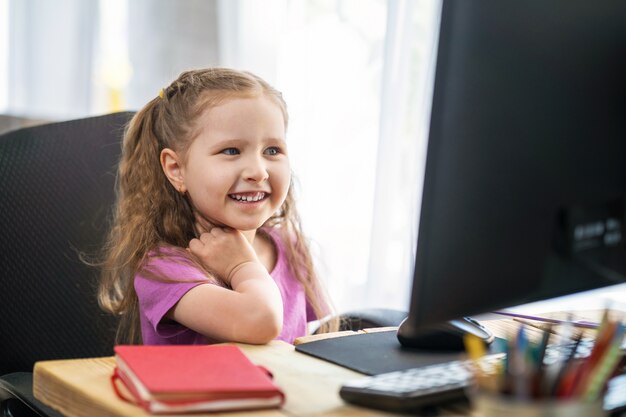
(162, 93)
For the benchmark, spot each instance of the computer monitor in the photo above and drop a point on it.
(525, 180)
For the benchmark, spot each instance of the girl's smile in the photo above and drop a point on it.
(250, 201)
(249, 197)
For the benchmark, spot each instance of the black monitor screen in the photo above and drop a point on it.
(525, 182)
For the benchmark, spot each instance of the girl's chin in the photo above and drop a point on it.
(242, 226)
(243, 223)
(239, 225)
(246, 228)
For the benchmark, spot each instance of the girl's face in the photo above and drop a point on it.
(237, 171)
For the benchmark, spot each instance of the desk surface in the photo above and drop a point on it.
(311, 385)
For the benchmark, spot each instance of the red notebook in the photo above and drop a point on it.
(192, 378)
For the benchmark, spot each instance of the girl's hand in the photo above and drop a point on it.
(251, 310)
(223, 251)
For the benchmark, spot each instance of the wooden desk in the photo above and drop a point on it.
(311, 385)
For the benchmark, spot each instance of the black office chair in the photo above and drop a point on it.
(371, 317)
(56, 193)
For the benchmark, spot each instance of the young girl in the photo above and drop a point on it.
(206, 244)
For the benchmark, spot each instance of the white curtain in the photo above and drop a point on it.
(166, 37)
(73, 58)
(407, 81)
(50, 50)
(356, 76)
(249, 33)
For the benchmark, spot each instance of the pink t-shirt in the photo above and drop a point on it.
(157, 297)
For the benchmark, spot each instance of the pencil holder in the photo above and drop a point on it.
(490, 405)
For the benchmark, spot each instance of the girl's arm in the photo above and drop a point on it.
(252, 312)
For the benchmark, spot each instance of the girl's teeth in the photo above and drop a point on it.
(249, 198)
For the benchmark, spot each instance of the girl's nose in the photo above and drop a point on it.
(255, 170)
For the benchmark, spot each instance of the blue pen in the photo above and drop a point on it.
(519, 366)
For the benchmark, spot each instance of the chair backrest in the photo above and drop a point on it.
(56, 194)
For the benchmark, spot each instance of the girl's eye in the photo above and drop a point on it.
(272, 150)
(230, 151)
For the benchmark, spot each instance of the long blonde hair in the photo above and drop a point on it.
(150, 213)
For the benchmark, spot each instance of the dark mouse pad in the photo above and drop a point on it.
(374, 353)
